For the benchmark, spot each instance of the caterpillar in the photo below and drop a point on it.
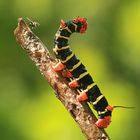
(72, 68)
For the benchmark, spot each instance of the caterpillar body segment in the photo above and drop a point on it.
(72, 67)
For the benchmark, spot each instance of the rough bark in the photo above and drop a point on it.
(40, 55)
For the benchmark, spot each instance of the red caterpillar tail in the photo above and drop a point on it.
(104, 122)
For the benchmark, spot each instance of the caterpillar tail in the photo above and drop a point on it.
(104, 122)
(125, 107)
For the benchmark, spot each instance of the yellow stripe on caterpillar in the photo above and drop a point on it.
(63, 37)
(74, 26)
(98, 99)
(102, 112)
(75, 66)
(68, 30)
(68, 58)
(89, 87)
(82, 75)
(63, 48)
(57, 35)
(55, 50)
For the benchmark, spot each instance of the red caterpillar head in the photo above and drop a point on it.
(82, 23)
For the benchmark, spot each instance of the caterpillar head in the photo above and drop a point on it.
(81, 24)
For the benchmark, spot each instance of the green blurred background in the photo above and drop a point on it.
(110, 49)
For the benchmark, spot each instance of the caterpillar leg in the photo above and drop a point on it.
(73, 84)
(66, 74)
(82, 97)
(104, 122)
(58, 67)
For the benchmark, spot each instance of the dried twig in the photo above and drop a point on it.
(39, 54)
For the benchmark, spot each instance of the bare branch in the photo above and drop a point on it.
(39, 54)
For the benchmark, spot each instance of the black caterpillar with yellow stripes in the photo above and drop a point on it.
(72, 68)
